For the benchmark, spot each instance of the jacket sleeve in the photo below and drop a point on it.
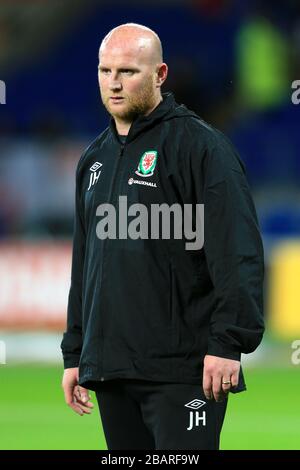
(71, 344)
(234, 254)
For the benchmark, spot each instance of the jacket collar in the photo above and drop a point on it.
(141, 123)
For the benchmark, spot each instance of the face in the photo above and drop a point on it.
(127, 82)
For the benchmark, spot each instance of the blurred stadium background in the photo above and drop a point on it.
(233, 62)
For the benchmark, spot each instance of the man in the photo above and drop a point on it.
(156, 329)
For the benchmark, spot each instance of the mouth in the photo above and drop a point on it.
(116, 99)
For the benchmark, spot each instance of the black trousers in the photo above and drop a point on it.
(142, 414)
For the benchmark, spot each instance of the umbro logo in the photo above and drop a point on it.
(95, 166)
(195, 404)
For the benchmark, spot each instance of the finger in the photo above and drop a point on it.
(83, 394)
(235, 379)
(83, 406)
(79, 408)
(74, 405)
(217, 388)
(226, 386)
(88, 404)
(207, 385)
(76, 408)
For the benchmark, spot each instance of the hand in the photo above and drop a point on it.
(217, 370)
(76, 396)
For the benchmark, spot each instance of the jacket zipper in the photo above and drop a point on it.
(103, 245)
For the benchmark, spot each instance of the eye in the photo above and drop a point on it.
(128, 72)
(104, 71)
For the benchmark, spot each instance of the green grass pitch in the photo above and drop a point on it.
(33, 414)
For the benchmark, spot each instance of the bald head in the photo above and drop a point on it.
(134, 40)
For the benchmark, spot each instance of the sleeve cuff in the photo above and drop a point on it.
(216, 348)
(71, 361)
(71, 349)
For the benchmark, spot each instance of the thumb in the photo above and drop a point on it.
(68, 391)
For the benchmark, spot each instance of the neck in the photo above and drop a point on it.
(123, 127)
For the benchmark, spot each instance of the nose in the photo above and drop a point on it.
(115, 84)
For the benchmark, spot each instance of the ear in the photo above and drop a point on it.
(161, 74)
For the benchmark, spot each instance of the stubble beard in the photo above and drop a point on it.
(141, 103)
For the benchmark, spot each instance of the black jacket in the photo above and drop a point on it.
(150, 308)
